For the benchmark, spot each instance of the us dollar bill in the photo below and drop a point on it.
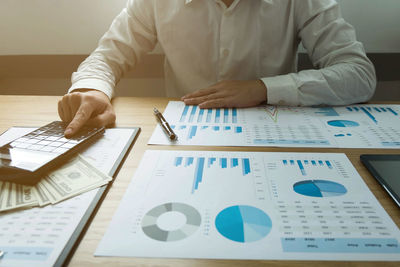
(74, 178)
(17, 196)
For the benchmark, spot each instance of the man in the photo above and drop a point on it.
(226, 53)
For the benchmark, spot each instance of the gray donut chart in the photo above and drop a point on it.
(152, 230)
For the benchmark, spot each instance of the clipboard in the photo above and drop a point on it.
(119, 154)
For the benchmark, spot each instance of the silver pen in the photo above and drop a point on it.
(164, 124)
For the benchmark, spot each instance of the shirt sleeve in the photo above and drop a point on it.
(130, 36)
(344, 74)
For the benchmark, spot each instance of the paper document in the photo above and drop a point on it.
(250, 205)
(357, 126)
(37, 236)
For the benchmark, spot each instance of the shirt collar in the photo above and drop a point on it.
(268, 1)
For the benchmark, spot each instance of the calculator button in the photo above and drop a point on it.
(56, 144)
(44, 142)
(60, 150)
(52, 138)
(48, 148)
(63, 139)
(35, 147)
(68, 145)
(32, 141)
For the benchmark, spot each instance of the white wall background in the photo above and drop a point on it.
(34, 27)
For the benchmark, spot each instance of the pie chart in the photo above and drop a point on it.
(343, 123)
(243, 223)
(319, 188)
(151, 227)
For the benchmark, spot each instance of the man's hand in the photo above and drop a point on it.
(85, 106)
(229, 94)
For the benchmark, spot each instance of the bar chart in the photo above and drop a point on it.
(356, 126)
(201, 163)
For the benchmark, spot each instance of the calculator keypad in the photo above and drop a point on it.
(50, 138)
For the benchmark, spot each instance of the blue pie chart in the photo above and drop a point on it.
(343, 123)
(243, 223)
(319, 188)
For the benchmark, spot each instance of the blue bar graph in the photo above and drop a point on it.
(189, 161)
(234, 162)
(366, 111)
(227, 128)
(178, 161)
(394, 112)
(234, 115)
(301, 167)
(198, 174)
(217, 115)
(192, 113)
(246, 166)
(184, 113)
(211, 162)
(223, 163)
(327, 111)
(192, 132)
(216, 128)
(209, 113)
(200, 117)
(238, 129)
(226, 115)
(200, 165)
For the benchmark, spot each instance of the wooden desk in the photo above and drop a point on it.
(131, 111)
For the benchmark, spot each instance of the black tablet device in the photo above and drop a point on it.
(385, 169)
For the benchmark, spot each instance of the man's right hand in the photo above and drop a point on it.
(85, 106)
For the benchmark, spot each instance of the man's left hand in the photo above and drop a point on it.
(229, 94)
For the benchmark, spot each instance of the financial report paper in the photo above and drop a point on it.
(357, 126)
(37, 236)
(250, 205)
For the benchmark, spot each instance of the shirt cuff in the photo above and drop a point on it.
(95, 84)
(281, 90)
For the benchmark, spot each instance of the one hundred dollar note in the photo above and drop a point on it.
(18, 196)
(75, 177)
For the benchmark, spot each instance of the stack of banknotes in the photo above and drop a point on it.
(75, 177)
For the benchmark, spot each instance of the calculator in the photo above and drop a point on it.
(27, 159)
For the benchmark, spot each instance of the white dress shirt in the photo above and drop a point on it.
(205, 42)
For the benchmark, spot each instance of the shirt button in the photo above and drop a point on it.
(225, 53)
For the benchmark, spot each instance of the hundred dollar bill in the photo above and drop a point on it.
(3, 186)
(41, 195)
(75, 177)
(18, 196)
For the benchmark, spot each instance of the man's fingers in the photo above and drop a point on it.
(66, 109)
(60, 111)
(81, 117)
(215, 103)
(198, 93)
(104, 119)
